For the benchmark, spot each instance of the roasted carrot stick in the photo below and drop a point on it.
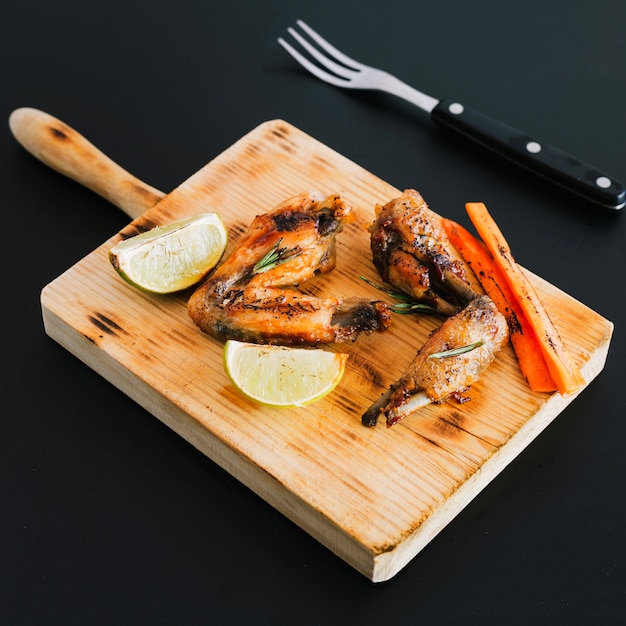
(523, 338)
(566, 376)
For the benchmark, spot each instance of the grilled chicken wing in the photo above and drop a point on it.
(437, 379)
(251, 296)
(411, 251)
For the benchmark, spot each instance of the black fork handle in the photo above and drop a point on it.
(532, 154)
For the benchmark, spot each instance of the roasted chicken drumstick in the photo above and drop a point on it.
(438, 373)
(411, 252)
(252, 295)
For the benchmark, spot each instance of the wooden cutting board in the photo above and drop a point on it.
(374, 496)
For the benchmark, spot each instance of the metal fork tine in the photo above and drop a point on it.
(341, 70)
(340, 56)
(314, 69)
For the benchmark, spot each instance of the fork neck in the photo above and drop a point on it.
(395, 86)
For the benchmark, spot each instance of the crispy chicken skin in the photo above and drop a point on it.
(450, 376)
(251, 297)
(411, 251)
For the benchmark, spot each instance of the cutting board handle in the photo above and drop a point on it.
(68, 152)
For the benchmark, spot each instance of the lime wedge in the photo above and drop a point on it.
(282, 377)
(171, 257)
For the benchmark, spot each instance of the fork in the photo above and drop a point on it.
(333, 66)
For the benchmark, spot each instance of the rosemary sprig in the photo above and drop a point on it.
(456, 351)
(406, 308)
(406, 305)
(276, 256)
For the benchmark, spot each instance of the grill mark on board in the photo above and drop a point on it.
(58, 134)
(349, 406)
(105, 324)
(140, 225)
(282, 134)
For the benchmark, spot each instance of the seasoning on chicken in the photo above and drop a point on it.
(411, 251)
(252, 295)
(451, 360)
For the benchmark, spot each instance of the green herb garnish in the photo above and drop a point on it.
(276, 256)
(406, 305)
(456, 351)
(405, 308)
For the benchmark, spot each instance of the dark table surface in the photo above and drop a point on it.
(106, 516)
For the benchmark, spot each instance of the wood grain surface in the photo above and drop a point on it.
(374, 496)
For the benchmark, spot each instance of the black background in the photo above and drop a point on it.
(106, 516)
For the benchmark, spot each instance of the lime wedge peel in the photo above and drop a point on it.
(279, 376)
(171, 257)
